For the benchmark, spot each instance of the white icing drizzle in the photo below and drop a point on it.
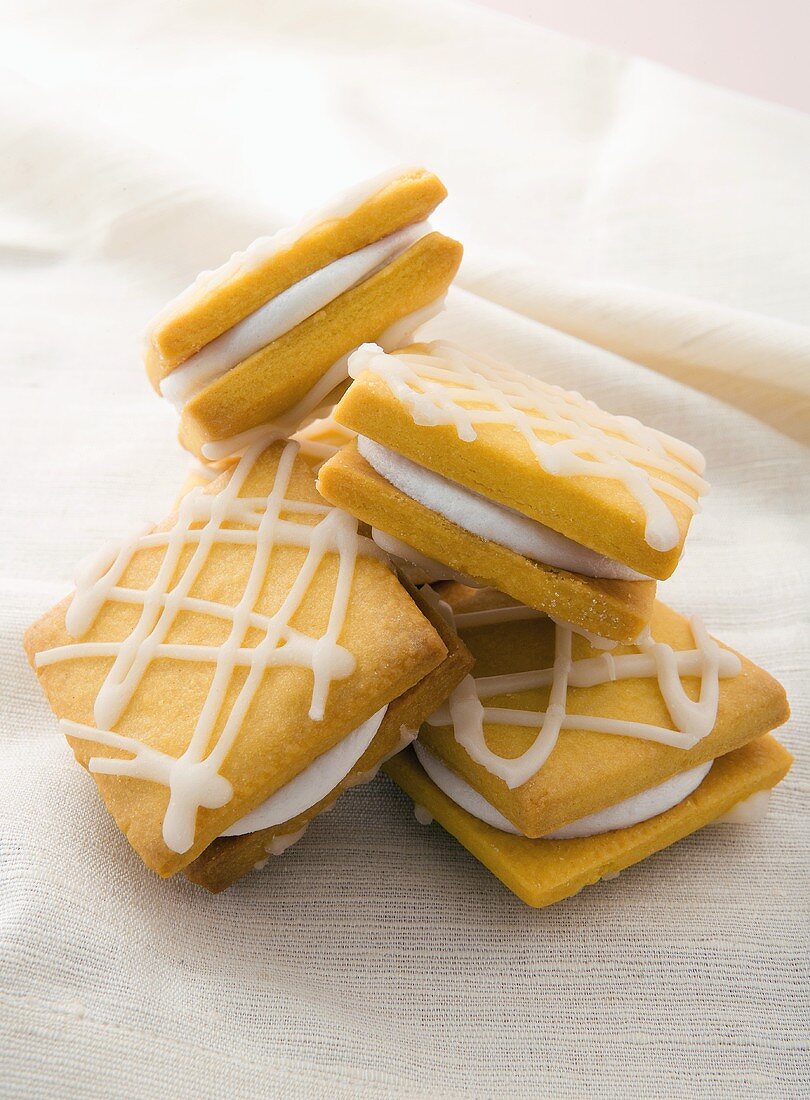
(487, 519)
(290, 422)
(279, 844)
(440, 606)
(264, 248)
(283, 313)
(693, 719)
(314, 447)
(402, 332)
(313, 783)
(621, 815)
(193, 778)
(593, 640)
(422, 814)
(454, 387)
(467, 620)
(202, 470)
(518, 612)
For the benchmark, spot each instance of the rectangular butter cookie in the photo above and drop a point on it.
(202, 665)
(264, 338)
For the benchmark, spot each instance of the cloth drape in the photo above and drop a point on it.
(629, 232)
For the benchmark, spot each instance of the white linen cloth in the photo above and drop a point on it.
(602, 201)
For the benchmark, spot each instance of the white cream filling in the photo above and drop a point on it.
(494, 522)
(631, 811)
(641, 807)
(283, 312)
(313, 783)
(460, 791)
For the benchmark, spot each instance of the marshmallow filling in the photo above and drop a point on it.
(750, 811)
(631, 811)
(283, 312)
(488, 520)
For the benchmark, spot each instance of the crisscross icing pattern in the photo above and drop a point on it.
(693, 719)
(567, 434)
(264, 523)
(314, 447)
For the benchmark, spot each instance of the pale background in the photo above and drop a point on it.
(628, 231)
(754, 46)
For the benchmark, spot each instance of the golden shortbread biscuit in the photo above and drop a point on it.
(204, 664)
(588, 770)
(606, 482)
(542, 872)
(611, 608)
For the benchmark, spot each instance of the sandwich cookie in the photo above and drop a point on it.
(560, 739)
(265, 338)
(237, 664)
(515, 483)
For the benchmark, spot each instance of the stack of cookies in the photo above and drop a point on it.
(466, 596)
